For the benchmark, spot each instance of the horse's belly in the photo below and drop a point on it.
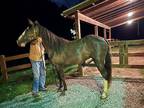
(67, 60)
(77, 56)
(73, 60)
(57, 59)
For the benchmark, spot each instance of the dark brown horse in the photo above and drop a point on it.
(62, 52)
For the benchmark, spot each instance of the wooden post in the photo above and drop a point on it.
(125, 53)
(78, 36)
(109, 34)
(121, 53)
(105, 36)
(96, 30)
(77, 25)
(3, 67)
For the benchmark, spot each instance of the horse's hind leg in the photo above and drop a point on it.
(101, 68)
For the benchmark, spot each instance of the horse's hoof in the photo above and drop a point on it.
(65, 89)
(59, 90)
(62, 93)
(104, 95)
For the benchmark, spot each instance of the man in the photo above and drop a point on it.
(36, 56)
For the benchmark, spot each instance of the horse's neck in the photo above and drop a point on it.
(52, 43)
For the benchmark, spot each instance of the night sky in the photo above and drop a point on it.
(14, 20)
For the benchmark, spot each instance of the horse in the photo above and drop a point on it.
(62, 52)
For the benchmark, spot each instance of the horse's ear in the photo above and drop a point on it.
(30, 22)
(36, 22)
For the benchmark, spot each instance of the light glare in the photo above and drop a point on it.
(130, 21)
(130, 14)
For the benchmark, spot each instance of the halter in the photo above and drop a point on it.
(34, 34)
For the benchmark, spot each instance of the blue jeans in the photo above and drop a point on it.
(39, 75)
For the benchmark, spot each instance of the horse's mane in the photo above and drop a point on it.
(51, 39)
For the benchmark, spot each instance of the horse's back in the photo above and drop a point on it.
(94, 40)
(94, 37)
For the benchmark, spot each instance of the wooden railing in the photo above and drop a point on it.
(5, 69)
(123, 54)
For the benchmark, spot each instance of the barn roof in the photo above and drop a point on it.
(109, 12)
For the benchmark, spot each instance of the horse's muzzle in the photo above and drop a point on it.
(20, 44)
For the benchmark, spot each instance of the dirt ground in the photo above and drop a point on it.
(134, 97)
(117, 72)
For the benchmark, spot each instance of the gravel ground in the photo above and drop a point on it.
(84, 92)
(81, 93)
(134, 90)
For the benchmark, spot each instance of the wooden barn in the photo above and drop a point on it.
(105, 13)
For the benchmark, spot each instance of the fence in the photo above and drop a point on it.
(123, 58)
(123, 53)
(5, 69)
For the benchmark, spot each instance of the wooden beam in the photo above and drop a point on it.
(97, 6)
(125, 15)
(20, 56)
(91, 21)
(105, 8)
(137, 6)
(77, 7)
(19, 67)
(109, 8)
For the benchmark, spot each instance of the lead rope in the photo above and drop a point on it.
(43, 58)
(55, 74)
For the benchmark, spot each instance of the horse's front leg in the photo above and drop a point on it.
(64, 83)
(62, 78)
(60, 83)
(59, 78)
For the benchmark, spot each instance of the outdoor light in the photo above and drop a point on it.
(130, 21)
(129, 0)
(130, 14)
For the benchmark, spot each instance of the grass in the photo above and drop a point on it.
(20, 82)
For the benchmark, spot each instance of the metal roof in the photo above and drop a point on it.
(109, 12)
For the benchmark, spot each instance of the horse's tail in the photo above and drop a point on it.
(108, 66)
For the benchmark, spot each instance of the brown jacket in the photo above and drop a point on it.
(36, 50)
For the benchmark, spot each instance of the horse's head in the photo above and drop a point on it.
(30, 33)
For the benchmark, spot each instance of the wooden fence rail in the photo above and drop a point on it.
(5, 69)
